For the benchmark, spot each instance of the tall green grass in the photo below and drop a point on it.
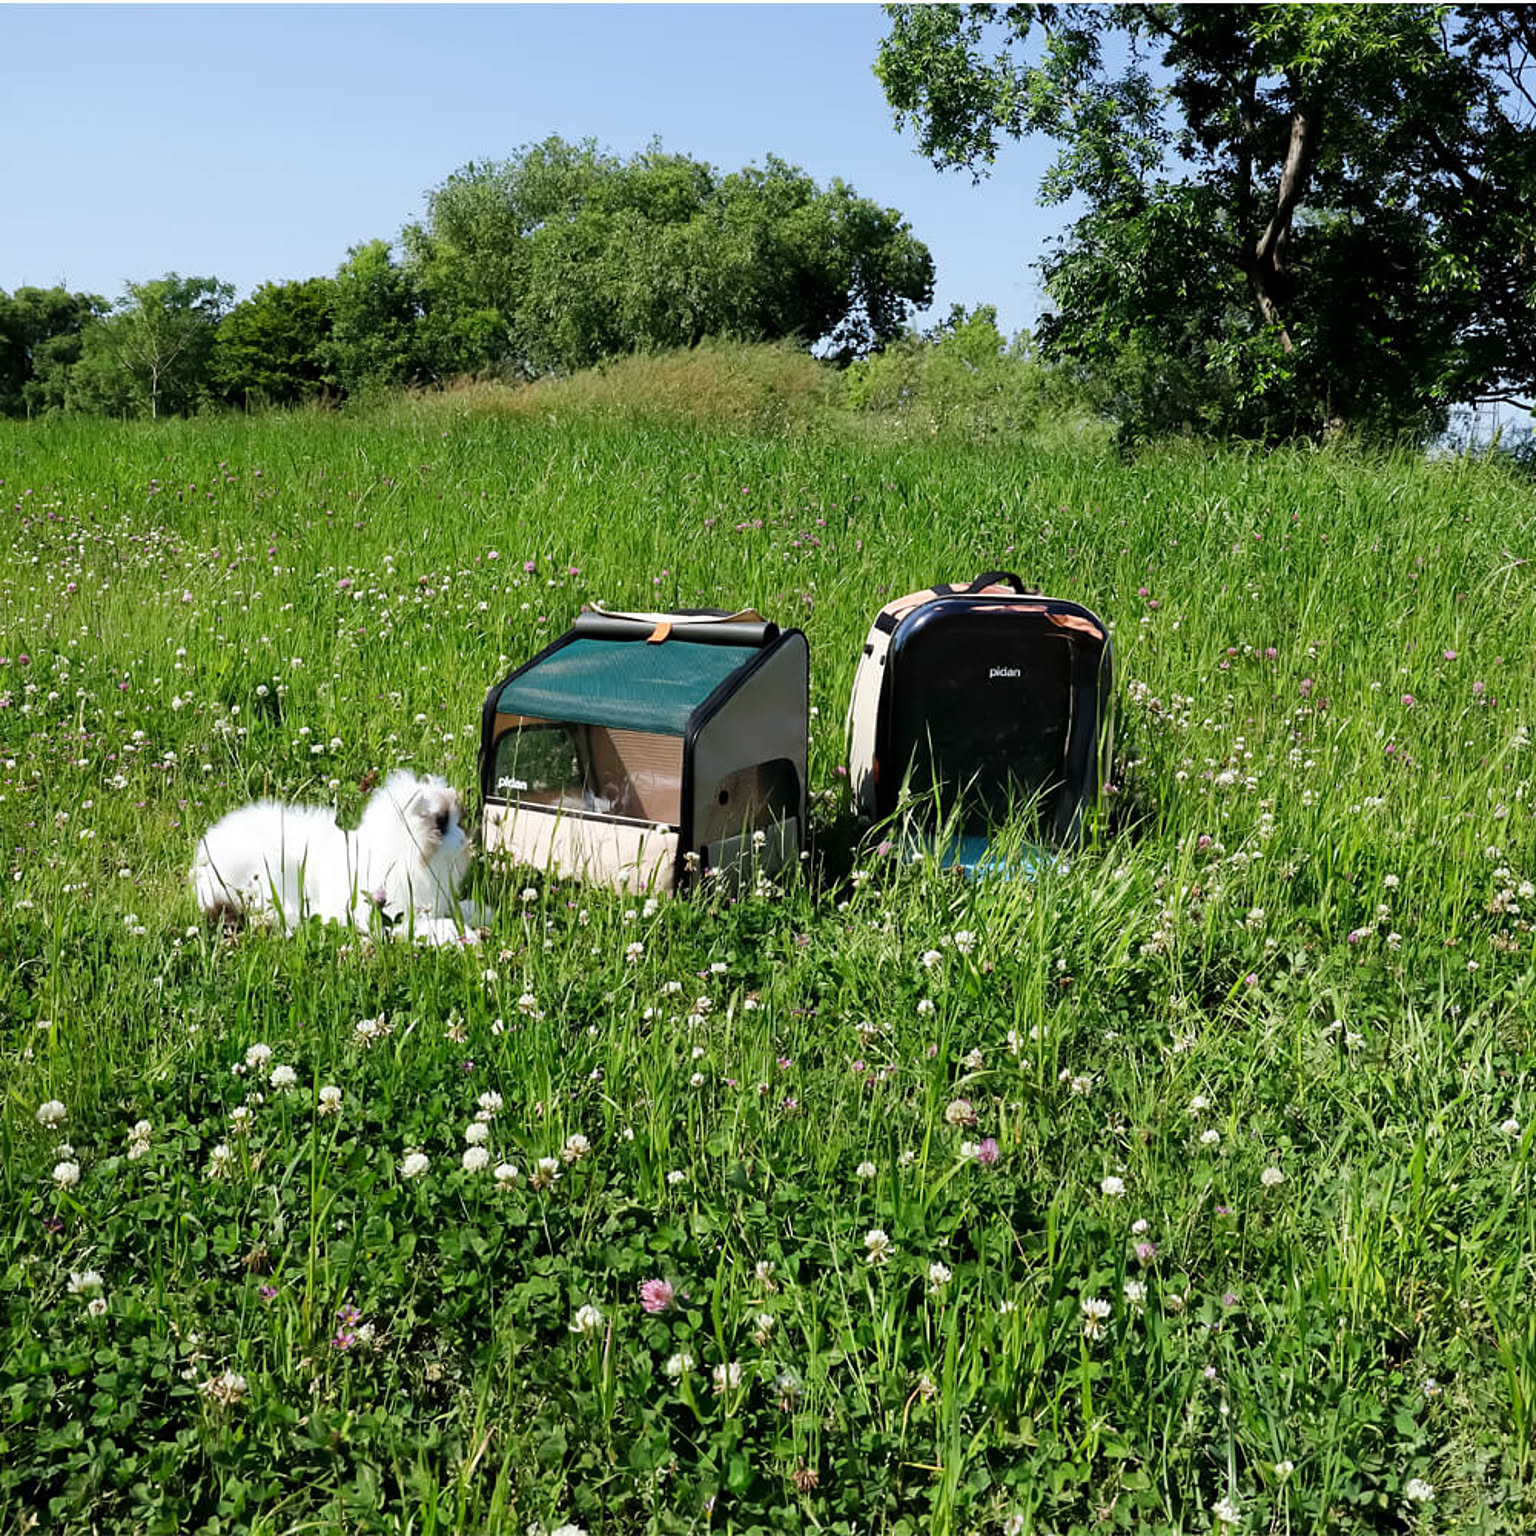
(1298, 940)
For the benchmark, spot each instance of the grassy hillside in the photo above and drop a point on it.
(1256, 1248)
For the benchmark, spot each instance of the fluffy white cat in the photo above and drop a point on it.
(278, 864)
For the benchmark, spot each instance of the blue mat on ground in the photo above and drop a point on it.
(974, 854)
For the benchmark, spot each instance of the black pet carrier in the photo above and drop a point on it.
(984, 703)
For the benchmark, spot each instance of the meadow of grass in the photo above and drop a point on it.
(1184, 1187)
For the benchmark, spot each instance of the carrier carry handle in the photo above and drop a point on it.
(991, 578)
(728, 631)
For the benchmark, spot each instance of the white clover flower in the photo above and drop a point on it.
(939, 1276)
(1198, 1104)
(1095, 1310)
(762, 1331)
(676, 1177)
(633, 952)
(1113, 1186)
(414, 1164)
(221, 1161)
(283, 1078)
(477, 1133)
(475, 1159)
(545, 1172)
(257, 1056)
(240, 1119)
(1418, 1491)
(66, 1174)
(1510, 1129)
(51, 1115)
(507, 1176)
(489, 1104)
(1139, 1227)
(226, 1390)
(1209, 1137)
(588, 1319)
(369, 1031)
(679, 1364)
(330, 1100)
(576, 1147)
(83, 1281)
(1283, 1469)
(788, 1386)
(96, 1306)
(727, 1377)
(763, 1274)
(1271, 1176)
(1227, 1511)
(930, 958)
(138, 1140)
(1135, 1293)
(866, 1170)
(877, 1246)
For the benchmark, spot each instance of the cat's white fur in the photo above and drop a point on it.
(279, 864)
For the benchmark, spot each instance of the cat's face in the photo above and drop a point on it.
(436, 819)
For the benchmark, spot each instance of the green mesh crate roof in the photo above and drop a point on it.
(628, 683)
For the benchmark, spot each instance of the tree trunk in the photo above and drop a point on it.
(1265, 274)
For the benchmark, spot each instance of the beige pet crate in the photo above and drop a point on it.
(642, 749)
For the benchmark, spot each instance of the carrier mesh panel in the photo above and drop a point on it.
(625, 683)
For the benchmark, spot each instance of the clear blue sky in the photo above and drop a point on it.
(256, 143)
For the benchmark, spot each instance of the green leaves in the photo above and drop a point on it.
(1276, 200)
(565, 256)
(151, 356)
(270, 349)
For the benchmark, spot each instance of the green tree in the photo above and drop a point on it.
(564, 255)
(151, 356)
(376, 320)
(1295, 215)
(271, 348)
(40, 332)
